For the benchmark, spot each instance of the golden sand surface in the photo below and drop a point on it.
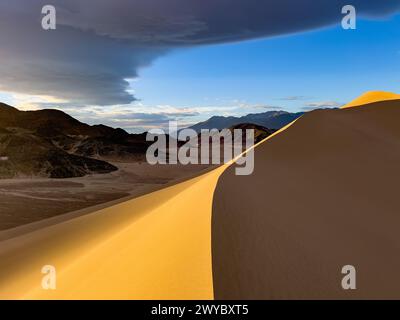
(157, 246)
(371, 97)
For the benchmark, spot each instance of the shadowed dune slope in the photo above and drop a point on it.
(324, 194)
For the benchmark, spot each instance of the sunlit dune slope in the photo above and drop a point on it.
(371, 97)
(155, 247)
(324, 195)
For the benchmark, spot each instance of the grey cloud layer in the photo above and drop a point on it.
(132, 121)
(321, 105)
(100, 43)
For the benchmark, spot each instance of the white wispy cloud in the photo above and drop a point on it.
(295, 98)
(322, 105)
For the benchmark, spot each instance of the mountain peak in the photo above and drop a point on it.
(371, 97)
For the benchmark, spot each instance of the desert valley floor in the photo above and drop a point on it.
(23, 201)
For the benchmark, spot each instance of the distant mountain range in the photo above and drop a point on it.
(271, 120)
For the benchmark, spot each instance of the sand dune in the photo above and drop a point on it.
(155, 247)
(371, 97)
(324, 194)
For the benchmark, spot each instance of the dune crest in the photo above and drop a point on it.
(157, 246)
(371, 97)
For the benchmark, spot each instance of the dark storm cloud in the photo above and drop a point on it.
(99, 44)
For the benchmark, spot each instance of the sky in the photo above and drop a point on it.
(158, 60)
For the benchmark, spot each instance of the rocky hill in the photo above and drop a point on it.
(271, 119)
(50, 143)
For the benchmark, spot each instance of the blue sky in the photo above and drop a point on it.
(330, 64)
(128, 72)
